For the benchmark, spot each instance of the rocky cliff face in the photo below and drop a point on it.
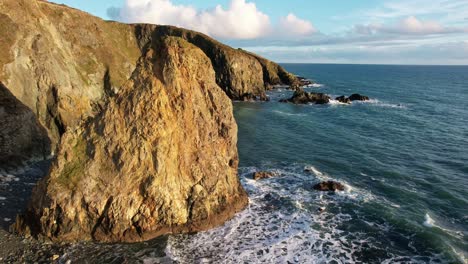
(21, 135)
(139, 117)
(62, 63)
(242, 75)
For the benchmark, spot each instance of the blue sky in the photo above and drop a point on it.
(332, 31)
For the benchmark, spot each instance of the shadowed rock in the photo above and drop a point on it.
(304, 82)
(343, 99)
(21, 135)
(358, 97)
(302, 97)
(329, 186)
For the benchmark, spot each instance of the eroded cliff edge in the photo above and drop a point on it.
(139, 118)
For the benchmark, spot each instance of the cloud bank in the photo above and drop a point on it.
(397, 31)
(408, 26)
(240, 20)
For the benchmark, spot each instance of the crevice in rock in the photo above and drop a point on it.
(102, 217)
(107, 84)
(53, 118)
(22, 136)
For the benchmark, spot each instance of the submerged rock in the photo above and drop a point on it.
(329, 186)
(358, 97)
(302, 97)
(343, 99)
(263, 175)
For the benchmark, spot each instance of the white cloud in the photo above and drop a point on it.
(241, 19)
(450, 53)
(292, 25)
(408, 26)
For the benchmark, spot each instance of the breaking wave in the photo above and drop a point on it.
(285, 222)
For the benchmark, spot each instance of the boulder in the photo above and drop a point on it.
(302, 97)
(343, 99)
(263, 175)
(358, 97)
(329, 186)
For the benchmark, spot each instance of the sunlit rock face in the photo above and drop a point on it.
(138, 117)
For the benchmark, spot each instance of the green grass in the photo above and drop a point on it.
(74, 170)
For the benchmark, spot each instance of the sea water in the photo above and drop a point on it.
(403, 157)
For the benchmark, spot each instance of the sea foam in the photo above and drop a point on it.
(286, 221)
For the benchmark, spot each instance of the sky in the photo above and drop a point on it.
(427, 32)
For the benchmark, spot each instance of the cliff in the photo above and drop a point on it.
(138, 117)
(63, 64)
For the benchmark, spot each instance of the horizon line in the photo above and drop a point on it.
(376, 64)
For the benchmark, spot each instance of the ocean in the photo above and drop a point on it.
(403, 157)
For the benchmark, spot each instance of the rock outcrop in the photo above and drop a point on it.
(358, 97)
(259, 175)
(343, 99)
(304, 81)
(139, 117)
(302, 97)
(161, 157)
(329, 186)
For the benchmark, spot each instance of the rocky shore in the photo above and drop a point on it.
(302, 97)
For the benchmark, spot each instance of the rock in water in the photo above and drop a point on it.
(358, 97)
(343, 99)
(263, 175)
(302, 97)
(329, 186)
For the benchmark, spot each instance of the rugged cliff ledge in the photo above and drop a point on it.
(139, 117)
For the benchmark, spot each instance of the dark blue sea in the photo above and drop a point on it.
(403, 157)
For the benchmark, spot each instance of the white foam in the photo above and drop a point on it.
(287, 114)
(460, 255)
(314, 170)
(379, 103)
(428, 221)
(431, 223)
(315, 85)
(281, 224)
(279, 86)
(2, 198)
(336, 102)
